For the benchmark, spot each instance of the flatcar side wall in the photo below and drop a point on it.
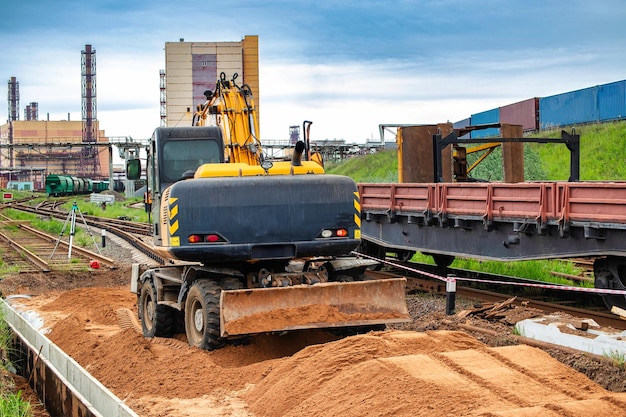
(497, 221)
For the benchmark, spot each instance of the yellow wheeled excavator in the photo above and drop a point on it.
(260, 245)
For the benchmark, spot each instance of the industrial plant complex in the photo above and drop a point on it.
(32, 147)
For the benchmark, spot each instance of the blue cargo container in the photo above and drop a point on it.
(483, 118)
(612, 101)
(575, 107)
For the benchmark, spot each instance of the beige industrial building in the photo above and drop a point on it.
(32, 149)
(191, 68)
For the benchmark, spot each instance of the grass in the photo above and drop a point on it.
(538, 270)
(601, 153)
(378, 168)
(113, 211)
(11, 404)
(618, 358)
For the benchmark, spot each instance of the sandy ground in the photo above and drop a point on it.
(398, 372)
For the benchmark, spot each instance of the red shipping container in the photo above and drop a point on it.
(525, 113)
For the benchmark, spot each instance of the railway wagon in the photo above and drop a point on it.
(63, 185)
(58, 185)
(501, 221)
(99, 186)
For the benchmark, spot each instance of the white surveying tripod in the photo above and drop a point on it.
(71, 217)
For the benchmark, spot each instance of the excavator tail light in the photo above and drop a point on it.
(330, 233)
(209, 238)
(194, 239)
(212, 238)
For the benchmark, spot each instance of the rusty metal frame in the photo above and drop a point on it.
(571, 141)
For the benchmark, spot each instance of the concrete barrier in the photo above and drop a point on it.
(63, 385)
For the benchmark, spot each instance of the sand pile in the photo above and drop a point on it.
(313, 373)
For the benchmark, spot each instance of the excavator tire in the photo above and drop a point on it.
(157, 320)
(202, 315)
(231, 284)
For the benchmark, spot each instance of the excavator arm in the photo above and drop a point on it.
(232, 109)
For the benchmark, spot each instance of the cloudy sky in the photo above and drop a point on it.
(346, 65)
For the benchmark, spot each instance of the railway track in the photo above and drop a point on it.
(26, 249)
(131, 232)
(125, 225)
(587, 305)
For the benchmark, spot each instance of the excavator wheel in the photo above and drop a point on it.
(157, 320)
(202, 315)
(231, 283)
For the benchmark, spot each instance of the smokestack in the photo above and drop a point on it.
(296, 158)
(13, 97)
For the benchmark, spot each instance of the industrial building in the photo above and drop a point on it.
(31, 149)
(191, 68)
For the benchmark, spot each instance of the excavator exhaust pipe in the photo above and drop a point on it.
(296, 158)
(325, 305)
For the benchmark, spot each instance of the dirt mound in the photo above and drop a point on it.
(437, 373)
(307, 373)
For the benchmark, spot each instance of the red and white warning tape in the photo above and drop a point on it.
(485, 281)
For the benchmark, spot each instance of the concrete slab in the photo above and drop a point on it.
(564, 331)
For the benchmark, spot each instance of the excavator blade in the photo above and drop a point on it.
(325, 305)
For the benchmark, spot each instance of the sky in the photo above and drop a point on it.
(348, 66)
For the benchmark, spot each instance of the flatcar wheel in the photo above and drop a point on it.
(442, 261)
(202, 315)
(405, 255)
(157, 320)
(610, 273)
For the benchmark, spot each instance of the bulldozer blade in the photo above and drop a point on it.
(325, 305)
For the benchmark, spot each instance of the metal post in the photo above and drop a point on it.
(72, 229)
(450, 295)
(104, 240)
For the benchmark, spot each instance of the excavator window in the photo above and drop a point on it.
(180, 156)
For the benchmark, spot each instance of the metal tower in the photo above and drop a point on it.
(294, 134)
(90, 161)
(32, 111)
(163, 98)
(14, 112)
(14, 99)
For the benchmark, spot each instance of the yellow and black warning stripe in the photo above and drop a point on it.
(357, 215)
(173, 221)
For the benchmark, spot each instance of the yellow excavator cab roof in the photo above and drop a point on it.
(245, 170)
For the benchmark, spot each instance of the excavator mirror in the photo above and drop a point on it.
(133, 169)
